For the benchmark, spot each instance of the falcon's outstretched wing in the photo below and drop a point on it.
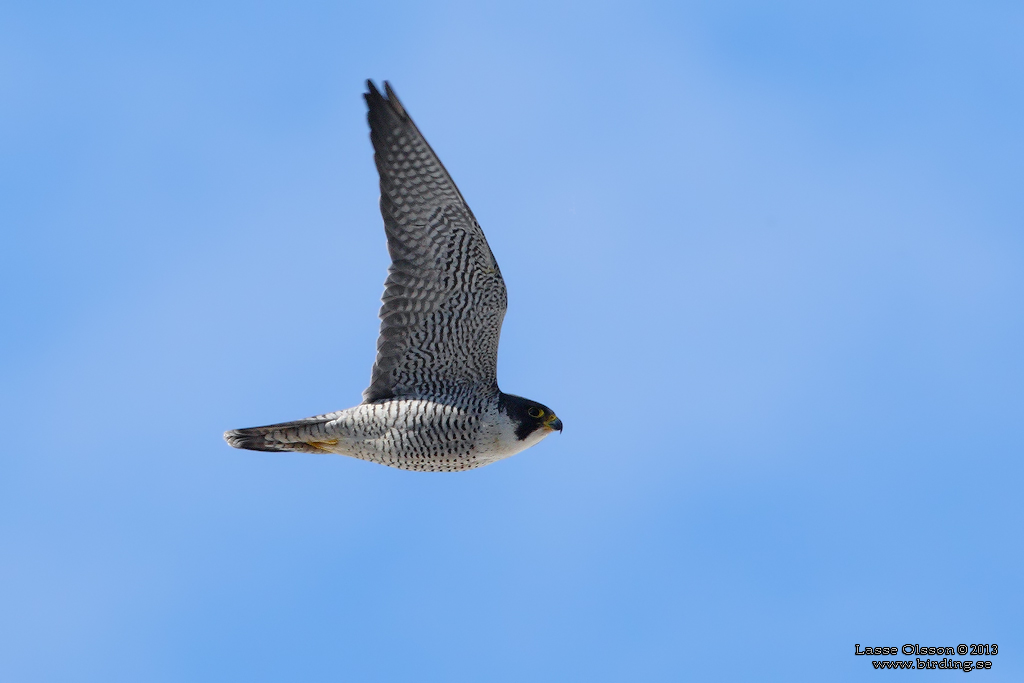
(444, 298)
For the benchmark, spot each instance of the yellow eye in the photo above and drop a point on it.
(535, 412)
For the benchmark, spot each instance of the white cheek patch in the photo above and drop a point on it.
(534, 438)
(501, 440)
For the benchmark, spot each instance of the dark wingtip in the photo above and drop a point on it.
(372, 95)
(393, 99)
(388, 101)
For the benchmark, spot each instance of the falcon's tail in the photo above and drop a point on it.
(306, 436)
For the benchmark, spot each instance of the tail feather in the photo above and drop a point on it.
(305, 436)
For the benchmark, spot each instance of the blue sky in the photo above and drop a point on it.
(765, 260)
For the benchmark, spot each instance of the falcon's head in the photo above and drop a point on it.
(531, 419)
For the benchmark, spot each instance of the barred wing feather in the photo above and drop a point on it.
(444, 298)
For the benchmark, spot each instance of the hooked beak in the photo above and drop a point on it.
(554, 424)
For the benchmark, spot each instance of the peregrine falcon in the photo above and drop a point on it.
(433, 403)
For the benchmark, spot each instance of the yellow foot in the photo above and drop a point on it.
(323, 445)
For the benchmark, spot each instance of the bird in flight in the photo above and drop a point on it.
(433, 403)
